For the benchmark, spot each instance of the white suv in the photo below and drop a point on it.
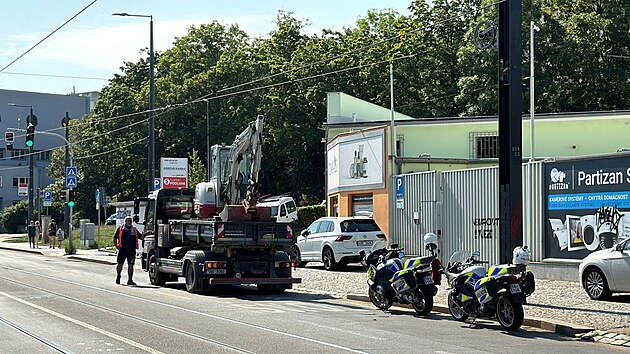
(282, 208)
(337, 241)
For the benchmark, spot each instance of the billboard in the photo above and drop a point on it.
(587, 205)
(356, 161)
(174, 172)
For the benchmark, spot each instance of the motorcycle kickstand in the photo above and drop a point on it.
(473, 322)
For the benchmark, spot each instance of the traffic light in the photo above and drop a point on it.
(30, 135)
(70, 197)
(9, 138)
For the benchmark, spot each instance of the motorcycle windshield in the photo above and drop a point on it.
(459, 257)
(377, 245)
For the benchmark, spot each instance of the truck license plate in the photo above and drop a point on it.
(217, 271)
(515, 289)
(364, 243)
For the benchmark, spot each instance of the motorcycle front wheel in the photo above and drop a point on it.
(456, 312)
(510, 314)
(423, 303)
(381, 302)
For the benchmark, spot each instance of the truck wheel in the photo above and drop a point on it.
(155, 276)
(192, 278)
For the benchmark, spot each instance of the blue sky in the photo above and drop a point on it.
(95, 44)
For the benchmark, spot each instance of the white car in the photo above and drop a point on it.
(337, 241)
(282, 208)
(607, 271)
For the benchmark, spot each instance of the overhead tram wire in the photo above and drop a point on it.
(53, 75)
(112, 150)
(357, 50)
(50, 34)
(169, 108)
(209, 96)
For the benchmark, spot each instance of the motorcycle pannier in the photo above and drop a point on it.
(405, 283)
(529, 285)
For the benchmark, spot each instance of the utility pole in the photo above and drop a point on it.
(510, 129)
(30, 172)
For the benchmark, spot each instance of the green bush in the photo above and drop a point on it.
(308, 214)
(14, 216)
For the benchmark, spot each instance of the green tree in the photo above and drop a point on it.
(196, 169)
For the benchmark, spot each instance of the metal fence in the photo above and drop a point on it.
(462, 207)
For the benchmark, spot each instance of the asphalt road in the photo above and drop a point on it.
(52, 305)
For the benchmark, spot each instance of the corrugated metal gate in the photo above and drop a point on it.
(419, 214)
(464, 206)
(470, 212)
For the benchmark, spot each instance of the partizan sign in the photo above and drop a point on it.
(174, 172)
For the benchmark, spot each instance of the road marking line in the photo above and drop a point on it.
(85, 325)
(332, 345)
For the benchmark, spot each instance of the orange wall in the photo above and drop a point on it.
(379, 205)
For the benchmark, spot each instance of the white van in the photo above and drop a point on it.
(282, 208)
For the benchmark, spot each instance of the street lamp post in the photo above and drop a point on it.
(151, 153)
(208, 157)
(30, 119)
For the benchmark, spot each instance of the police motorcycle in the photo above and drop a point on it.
(411, 281)
(500, 292)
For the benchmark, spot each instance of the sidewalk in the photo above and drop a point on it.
(557, 306)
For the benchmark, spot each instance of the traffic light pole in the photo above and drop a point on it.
(30, 179)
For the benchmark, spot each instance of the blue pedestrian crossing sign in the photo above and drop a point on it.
(71, 177)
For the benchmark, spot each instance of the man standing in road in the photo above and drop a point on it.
(126, 240)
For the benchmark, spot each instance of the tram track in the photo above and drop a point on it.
(167, 305)
(34, 336)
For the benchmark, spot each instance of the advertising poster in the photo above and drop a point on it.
(356, 161)
(587, 206)
(174, 172)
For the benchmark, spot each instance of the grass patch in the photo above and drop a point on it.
(17, 239)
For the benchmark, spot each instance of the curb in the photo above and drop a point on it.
(39, 251)
(564, 328)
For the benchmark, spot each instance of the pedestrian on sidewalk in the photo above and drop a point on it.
(31, 234)
(52, 230)
(126, 240)
(38, 233)
(60, 236)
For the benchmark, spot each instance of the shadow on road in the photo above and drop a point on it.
(521, 332)
(251, 293)
(598, 311)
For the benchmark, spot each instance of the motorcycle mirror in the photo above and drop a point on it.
(476, 254)
(394, 245)
(362, 253)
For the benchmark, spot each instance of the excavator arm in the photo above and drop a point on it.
(248, 145)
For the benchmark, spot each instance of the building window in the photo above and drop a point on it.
(44, 155)
(362, 205)
(484, 145)
(1, 153)
(19, 154)
(19, 180)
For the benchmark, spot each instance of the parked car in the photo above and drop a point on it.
(283, 208)
(607, 271)
(337, 241)
(111, 220)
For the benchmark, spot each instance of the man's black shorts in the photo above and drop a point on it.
(123, 255)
